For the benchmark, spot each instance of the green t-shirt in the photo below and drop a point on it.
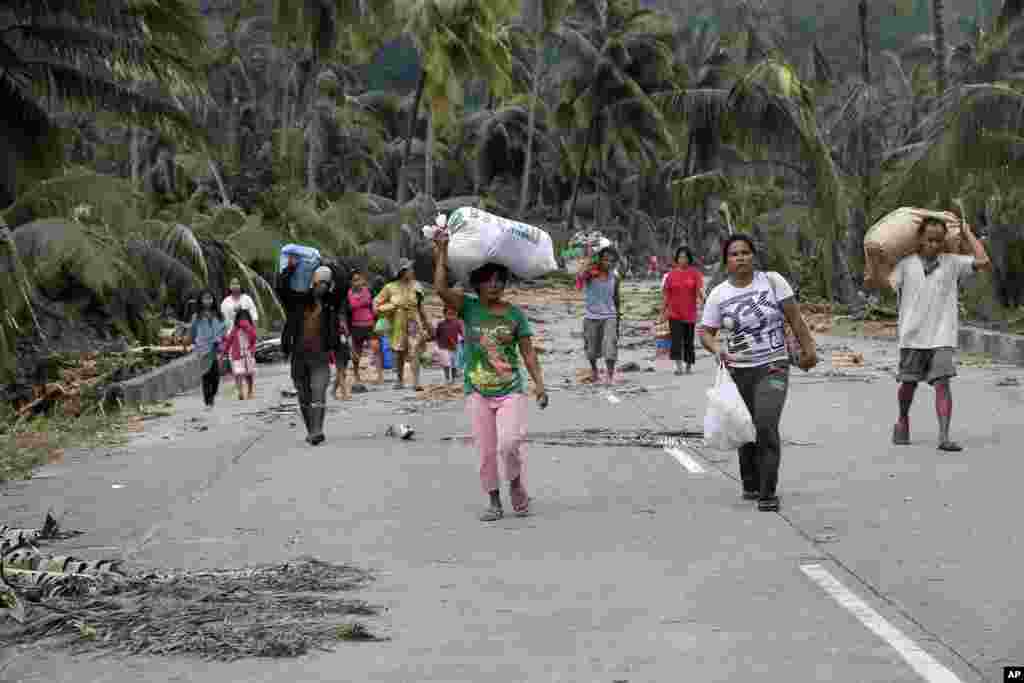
(492, 349)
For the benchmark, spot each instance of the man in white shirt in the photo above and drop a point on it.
(236, 301)
(928, 284)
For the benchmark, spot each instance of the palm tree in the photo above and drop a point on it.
(91, 56)
(454, 39)
(548, 14)
(616, 56)
(316, 30)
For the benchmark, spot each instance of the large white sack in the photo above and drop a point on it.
(477, 237)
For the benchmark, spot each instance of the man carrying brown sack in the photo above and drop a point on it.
(927, 284)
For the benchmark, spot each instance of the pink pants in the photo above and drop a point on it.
(499, 427)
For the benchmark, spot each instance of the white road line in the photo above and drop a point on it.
(685, 459)
(920, 661)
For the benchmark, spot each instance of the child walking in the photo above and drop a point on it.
(240, 346)
(449, 332)
(928, 284)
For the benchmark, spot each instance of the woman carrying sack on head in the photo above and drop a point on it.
(401, 303)
(498, 334)
(753, 307)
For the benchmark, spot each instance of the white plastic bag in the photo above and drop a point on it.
(727, 423)
(478, 237)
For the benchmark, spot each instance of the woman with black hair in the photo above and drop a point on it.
(401, 301)
(206, 336)
(753, 307)
(683, 292)
(497, 334)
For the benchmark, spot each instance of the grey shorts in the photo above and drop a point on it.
(601, 339)
(926, 365)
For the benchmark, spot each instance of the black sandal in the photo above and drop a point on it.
(950, 447)
(768, 504)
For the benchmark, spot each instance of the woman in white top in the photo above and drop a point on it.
(752, 306)
(236, 301)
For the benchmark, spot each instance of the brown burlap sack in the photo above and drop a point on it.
(895, 236)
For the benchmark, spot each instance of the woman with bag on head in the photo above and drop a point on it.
(206, 337)
(401, 303)
(753, 307)
(497, 335)
(683, 292)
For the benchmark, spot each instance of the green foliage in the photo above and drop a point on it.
(63, 255)
(976, 128)
(459, 39)
(120, 56)
(79, 193)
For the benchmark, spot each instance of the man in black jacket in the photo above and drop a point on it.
(311, 333)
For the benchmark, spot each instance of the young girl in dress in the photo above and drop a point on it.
(240, 346)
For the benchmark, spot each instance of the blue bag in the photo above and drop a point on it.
(309, 261)
(385, 352)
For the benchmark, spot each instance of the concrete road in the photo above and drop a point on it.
(638, 564)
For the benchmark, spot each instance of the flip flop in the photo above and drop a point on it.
(950, 446)
(520, 501)
(492, 514)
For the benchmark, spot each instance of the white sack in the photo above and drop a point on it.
(477, 237)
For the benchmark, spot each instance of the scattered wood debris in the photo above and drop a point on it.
(847, 359)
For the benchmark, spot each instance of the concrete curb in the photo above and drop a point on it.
(181, 374)
(1005, 348)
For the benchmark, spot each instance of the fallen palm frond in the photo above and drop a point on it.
(15, 537)
(283, 610)
(42, 585)
(30, 559)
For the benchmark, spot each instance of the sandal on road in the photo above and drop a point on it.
(492, 514)
(950, 447)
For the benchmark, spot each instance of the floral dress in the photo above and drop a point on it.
(399, 303)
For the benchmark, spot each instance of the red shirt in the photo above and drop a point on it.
(681, 289)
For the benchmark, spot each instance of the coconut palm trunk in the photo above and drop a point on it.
(402, 192)
(428, 176)
(861, 214)
(136, 156)
(591, 134)
(524, 192)
(939, 19)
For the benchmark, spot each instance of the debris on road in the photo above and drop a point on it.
(587, 438)
(400, 431)
(284, 610)
(847, 359)
(1008, 382)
